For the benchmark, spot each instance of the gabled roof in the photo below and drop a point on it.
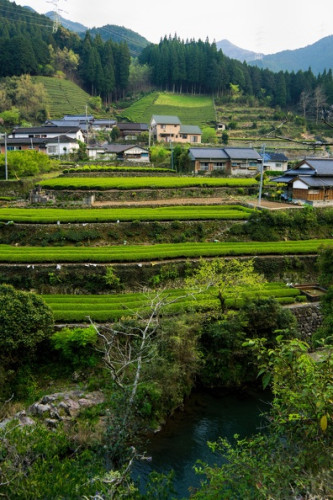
(242, 154)
(190, 129)
(103, 121)
(121, 148)
(60, 138)
(166, 119)
(207, 154)
(274, 157)
(321, 166)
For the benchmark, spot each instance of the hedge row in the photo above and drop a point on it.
(134, 253)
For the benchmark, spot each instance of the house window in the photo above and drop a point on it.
(52, 150)
(194, 138)
(163, 126)
(183, 136)
(218, 166)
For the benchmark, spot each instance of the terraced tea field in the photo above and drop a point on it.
(54, 215)
(124, 183)
(77, 308)
(64, 96)
(137, 253)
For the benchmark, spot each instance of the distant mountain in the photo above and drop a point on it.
(136, 43)
(116, 33)
(66, 23)
(231, 50)
(318, 56)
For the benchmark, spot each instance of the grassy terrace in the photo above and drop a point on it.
(137, 253)
(104, 183)
(191, 110)
(52, 215)
(102, 308)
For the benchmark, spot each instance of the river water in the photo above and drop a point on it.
(183, 440)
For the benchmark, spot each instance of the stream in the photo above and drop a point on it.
(183, 440)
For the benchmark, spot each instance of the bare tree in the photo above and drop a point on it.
(305, 101)
(319, 99)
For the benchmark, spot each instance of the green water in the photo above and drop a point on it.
(184, 438)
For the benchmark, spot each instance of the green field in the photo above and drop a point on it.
(105, 183)
(64, 96)
(53, 215)
(137, 253)
(191, 110)
(112, 307)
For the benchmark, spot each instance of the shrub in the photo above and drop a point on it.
(75, 344)
(25, 319)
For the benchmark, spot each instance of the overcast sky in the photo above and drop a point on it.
(266, 26)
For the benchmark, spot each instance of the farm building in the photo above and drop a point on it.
(165, 128)
(311, 182)
(231, 161)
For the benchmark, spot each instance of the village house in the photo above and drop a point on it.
(165, 128)
(57, 146)
(230, 161)
(47, 132)
(275, 162)
(120, 152)
(131, 131)
(310, 182)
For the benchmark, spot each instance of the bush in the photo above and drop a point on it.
(25, 319)
(75, 345)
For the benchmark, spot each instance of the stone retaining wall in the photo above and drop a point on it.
(309, 318)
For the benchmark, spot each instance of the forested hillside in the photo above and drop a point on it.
(29, 46)
(198, 67)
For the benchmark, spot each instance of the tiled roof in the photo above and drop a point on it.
(317, 181)
(207, 154)
(137, 127)
(275, 157)
(242, 154)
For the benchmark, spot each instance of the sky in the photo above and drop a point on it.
(266, 26)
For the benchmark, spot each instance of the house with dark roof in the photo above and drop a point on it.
(131, 131)
(311, 182)
(275, 161)
(56, 146)
(47, 132)
(230, 161)
(168, 128)
(120, 152)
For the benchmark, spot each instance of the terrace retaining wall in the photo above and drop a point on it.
(309, 318)
(63, 195)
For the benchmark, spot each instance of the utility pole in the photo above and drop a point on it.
(6, 162)
(261, 173)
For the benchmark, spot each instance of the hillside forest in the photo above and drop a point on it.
(104, 67)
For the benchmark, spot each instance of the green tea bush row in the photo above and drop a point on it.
(52, 215)
(109, 308)
(105, 183)
(101, 168)
(133, 253)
